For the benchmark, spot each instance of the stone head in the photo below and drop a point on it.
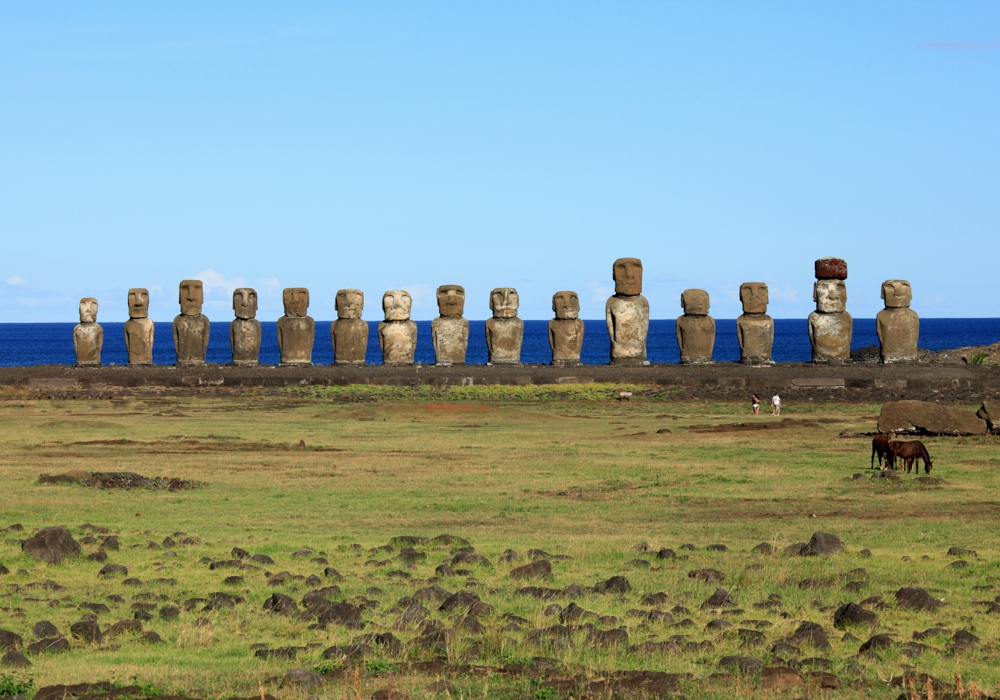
(897, 294)
(628, 276)
(504, 302)
(191, 296)
(296, 301)
(566, 305)
(830, 296)
(694, 302)
(451, 300)
(350, 303)
(754, 297)
(245, 302)
(88, 310)
(831, 269)
(138, 302)
(396, 304)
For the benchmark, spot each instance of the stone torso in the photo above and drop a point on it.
(244, 339)
(139, 341)
(566, 340)
(628, 326)
(830, 335)
(398, 340)
(696, 338)
(350, 340)
(898, 332)
(88, 339)
(451, 340)
(503, 340)
(191, 339)
(295, 339)
(756, 335)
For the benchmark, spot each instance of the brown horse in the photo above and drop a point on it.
(909, 451)
(880, 447)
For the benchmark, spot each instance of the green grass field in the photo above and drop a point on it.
(568, 471)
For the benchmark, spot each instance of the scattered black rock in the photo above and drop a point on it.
(51, 544)
(911, 598)
(822, 543)
(540, 568)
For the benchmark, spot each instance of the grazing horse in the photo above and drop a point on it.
(909, 451)
(880, 447)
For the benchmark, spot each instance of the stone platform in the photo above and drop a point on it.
(958, 383)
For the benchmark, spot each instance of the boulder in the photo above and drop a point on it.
(911, 598)
(852, 614)
(540, 568)
(925, 418)
(990, 412)
(822, 543)
(51, 544)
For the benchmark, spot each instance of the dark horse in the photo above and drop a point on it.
(880, 447)
(908, 452)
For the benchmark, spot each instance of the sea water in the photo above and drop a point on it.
(52, 343)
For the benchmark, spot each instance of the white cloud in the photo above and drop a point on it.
(16, 279)
(269, 284)
(600, 292)
(213, 280)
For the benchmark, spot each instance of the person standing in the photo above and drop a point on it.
(755, 400)
(776, 402)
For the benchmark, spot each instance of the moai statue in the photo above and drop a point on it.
(449, 331)
(830, 326)
(138, 328)
(505, 331)
(349, 333)
(695, 329)
(627, 314)
(191, 327)
(566, 329)
(88, 336)
(296, 330)
(244, 331)
(397, 334)
(897, 325)
(755, 329)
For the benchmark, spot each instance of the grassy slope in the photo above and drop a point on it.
(565, 472)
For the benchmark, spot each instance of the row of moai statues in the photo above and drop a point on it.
(627, 315)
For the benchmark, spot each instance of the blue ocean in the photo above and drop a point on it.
(52, 343)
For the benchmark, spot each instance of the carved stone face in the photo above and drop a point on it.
(504, 302)
(451, 300)
(192, 296)
(754, 297)
(296, 301)
(88, 310)
(628, 276)
(245, 302)
(138, 303)
(897, 294)
(695, 302)
(350, 303)
(396, 305)
(566, 305)
(830, 296)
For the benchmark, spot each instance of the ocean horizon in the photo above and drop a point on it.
(52, 343)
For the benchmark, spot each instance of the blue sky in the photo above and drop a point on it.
(407, 145)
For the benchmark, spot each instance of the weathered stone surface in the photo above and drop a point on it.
(897, 325)
(695, 329)
(397, 335)
(566, 329)
(51, 544)
(912, 598)
(830, 326)
(755, 329)
(853, 614)
(88, 336)
(822, 543)
(540, 568)
(244, 331)
(139, 328)
(627, 314)
(990, 412)
(296, 330)
(191, 327)
(504, 332)
(927, 418)
(831, 269)
(450, 331)
(349, 333)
